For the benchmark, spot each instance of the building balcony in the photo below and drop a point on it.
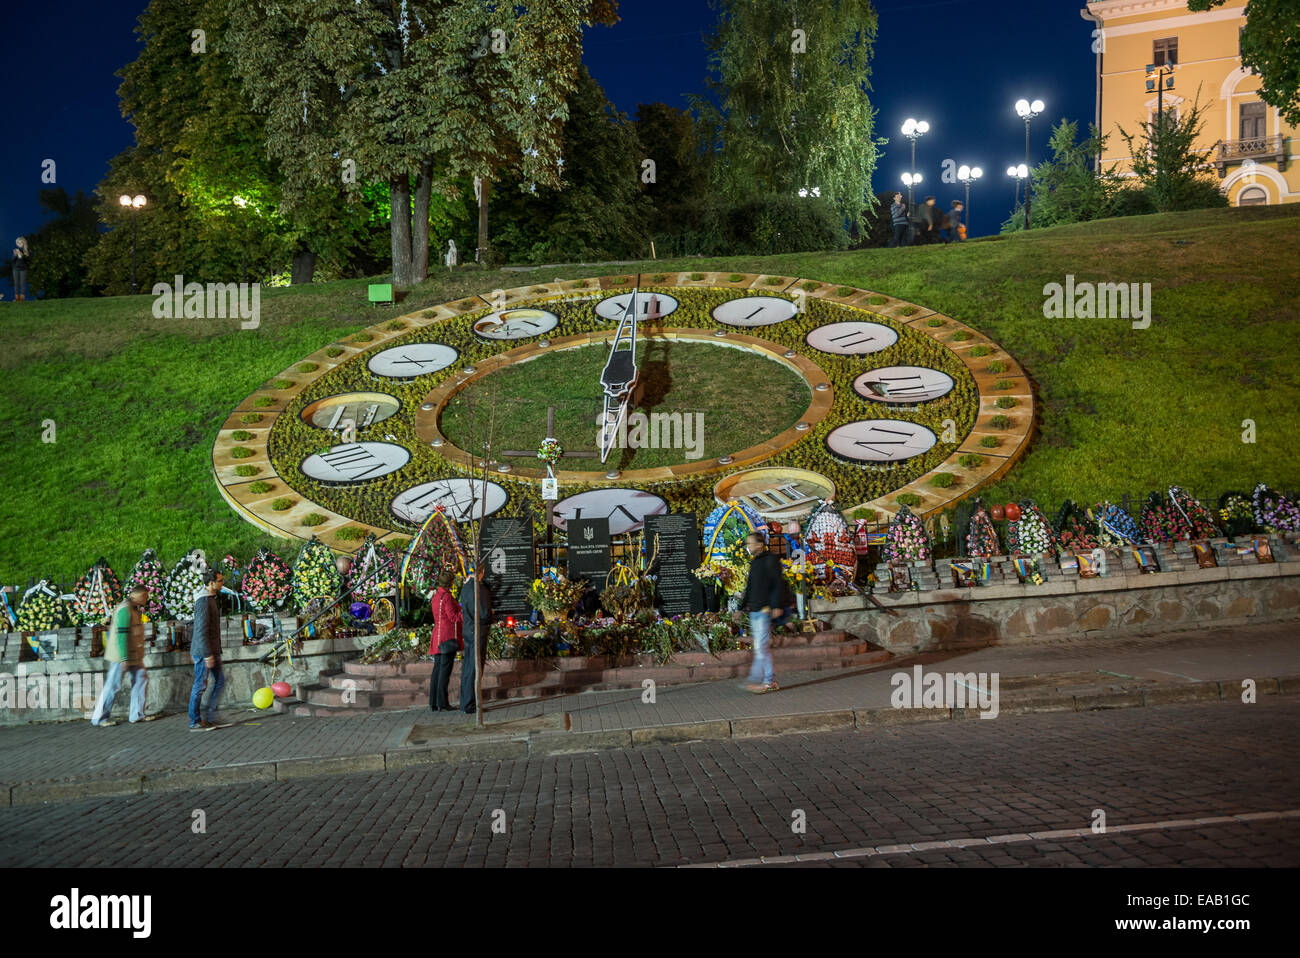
(1260, 149)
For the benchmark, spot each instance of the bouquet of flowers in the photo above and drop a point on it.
(1115, 527)
(905, 540)
(438, 549)
(1075, 529)
(550, 451)
(1274, 511)
(315, 575)
(149, 573)
(555, 593)
(267, 581)
(1197, 517)
(626, 596)
(185, 579)
(1030, 534)
(42, 609)
(1161, 522)
(982, 538)
(97, 593)
(1236, 515)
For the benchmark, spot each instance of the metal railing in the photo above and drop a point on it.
(1266, 148)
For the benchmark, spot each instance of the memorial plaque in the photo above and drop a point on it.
(588, 551)
(679, 553)
(508, 557)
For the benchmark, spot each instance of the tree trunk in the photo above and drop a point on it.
(420, 226)
(304, 267)
(482, 254)
(399, 190)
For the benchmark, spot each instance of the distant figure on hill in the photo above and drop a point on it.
(22, 259)
(898, 219)
(954, 231)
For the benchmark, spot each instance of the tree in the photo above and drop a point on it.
(1066, 189)
(59, 247)
(413, 94)
(791, 82)
(671, 138)
(1270, 45)
(1167, 164)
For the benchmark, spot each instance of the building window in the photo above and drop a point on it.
(1165, 51)
(1252, 121)
(1252, 196)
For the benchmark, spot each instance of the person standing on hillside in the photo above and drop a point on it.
(124, 649)
(22, 257)
(447, 639)
(762, 599)
(898, 219)
(955, 232)
(205, 651)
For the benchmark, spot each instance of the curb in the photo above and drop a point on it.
(549, 742)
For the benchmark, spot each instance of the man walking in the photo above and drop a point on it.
(954, 229)
(930, 216)
(763, 600)
(124, 649)
(205, 651)
(473, 594)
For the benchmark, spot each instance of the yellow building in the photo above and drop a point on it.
(1195, 56)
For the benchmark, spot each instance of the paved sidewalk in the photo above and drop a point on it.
(1061, 674)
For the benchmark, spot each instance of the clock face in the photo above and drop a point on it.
(649, 306)
(852, 339)
(755, 311)
(520, 323)
(356, 462)
(626, 509)
(462, 499)
(880, 440)
(903, 385)
(395, 394)
(408, 362)
(362, 409)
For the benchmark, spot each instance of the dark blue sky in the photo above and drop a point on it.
(960, 64)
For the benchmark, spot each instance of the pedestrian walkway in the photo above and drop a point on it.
(1057, 674)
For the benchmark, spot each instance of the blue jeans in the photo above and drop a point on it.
(760, 624)
(201, 673)
(113, 682)
(952, 236)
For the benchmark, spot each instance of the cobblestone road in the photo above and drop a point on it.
(728, 801)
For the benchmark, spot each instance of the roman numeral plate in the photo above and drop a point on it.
(412, 360)
(612, 308)
(516, 324)
(463, 500)
(903, 385)
(852, 339)
(755, 311)
(355, 462)
(626, 509)
(880, 440)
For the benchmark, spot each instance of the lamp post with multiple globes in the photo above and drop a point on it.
(968, 175)
(133, 203)
(913, 130)
(1027, 111)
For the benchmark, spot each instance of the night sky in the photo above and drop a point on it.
(960, 64)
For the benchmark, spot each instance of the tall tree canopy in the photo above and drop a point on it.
(1270, 45)
(412, 93)
(791, 80)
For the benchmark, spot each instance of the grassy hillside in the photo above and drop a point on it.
(137, 401)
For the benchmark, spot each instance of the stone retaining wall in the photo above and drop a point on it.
(74, 673)
(1128, 603)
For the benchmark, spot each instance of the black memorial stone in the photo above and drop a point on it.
(677, 591)
(508, 557)
(588, 551)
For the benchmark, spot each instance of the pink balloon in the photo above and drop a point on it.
(282, 690)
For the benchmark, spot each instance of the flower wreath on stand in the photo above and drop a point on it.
(905, 540)
(315, 574)
(1030, 535)
(1274, 511)
(96, 593)
(1161, 522)
(1076, 531)
(1236, 515)
(149, 573)
(1198, 518)
(42, 609)
(1115, 527)
(267, 581)
(185, 579)
(982, 539)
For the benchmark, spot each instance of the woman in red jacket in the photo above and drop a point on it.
(446, 641)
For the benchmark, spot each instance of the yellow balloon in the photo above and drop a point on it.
(263, 698)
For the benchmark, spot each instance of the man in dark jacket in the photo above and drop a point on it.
(762, 600)
(205, 651)
(929, 218)
(473, 591)
(898, 220)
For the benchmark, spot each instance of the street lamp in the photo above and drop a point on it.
(911, 180)
(968, 175)
(1027, 112)
(243, 245)
(133, 203)
(1018, 173)
(914, 130)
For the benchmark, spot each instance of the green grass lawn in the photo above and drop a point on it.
(136, 401)
(675, 377)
